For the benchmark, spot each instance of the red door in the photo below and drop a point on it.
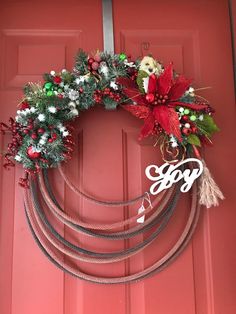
(109, 162)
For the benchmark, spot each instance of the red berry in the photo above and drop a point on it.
(25, 131)
(24, 105)
(81, 90)
(41, 131)
(51, 127)
(34, 136)
(54, 136)
(50, 140)
(30, 126)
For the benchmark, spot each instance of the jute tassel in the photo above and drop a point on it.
(209, 191)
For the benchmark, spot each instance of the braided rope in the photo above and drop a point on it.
(58, 260)
(115, 235)
(67, 218)
(42, 224)
(92, 199)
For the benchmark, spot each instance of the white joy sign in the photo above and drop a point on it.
(167, 174)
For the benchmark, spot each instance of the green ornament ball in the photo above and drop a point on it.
(59, 90)
(48, 85)
(193, 118)
(186, 111)
(50, 93)
(122, 56)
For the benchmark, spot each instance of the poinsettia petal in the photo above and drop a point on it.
(126, 82)
(148, 126)
(164, 81)
(180, 86)
(192, 106)
(168, 120)
(134, 95)
(152, 84)
(141, 112)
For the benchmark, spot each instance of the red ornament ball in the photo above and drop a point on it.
(185, 118)
(150, 98)
(57, 80)
(32, 153)
(186, 131)
(95, 66)
(90, 61)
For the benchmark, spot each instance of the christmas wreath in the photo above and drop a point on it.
(42, 137)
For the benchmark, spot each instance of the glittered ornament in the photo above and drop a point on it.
(90, 61)
(32, 153)
(97, 57)
(50, 93)
(48, 85)
(95, 65)
(193, 118)
(186, 131)
(122, 56)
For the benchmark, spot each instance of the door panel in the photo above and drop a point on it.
(35, 37)
(196, 36)
(109, 162)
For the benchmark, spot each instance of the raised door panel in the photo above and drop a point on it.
(196, 36)
(35, 37)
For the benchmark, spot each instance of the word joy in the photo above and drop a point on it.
(167, 174)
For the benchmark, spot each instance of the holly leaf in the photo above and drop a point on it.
(207, 125)
(140, 80)
(194, 140)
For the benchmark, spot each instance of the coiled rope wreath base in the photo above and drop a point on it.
(55, 247)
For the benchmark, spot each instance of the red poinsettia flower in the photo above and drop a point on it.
(158, 105)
